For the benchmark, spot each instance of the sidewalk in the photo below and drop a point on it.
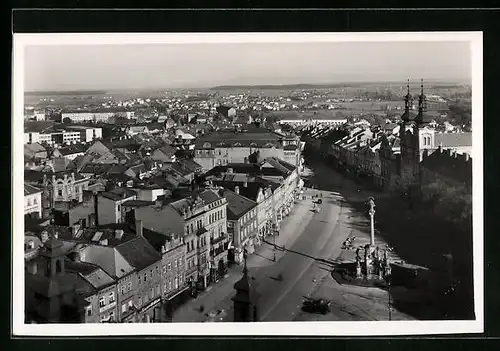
(218, 295)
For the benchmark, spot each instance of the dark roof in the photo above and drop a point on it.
(209, 196)
(190, 164)
(237, 205)
(257, 137)
(37, 176)
(137, 203)
(449, 165)
(29, 189)
(167, 150)
(118, 194)
(155, 239)
(250, 191)
(139, 253)
(251, 169)
(96, 168)
(73, 149)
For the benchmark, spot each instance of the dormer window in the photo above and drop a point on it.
(207, 145)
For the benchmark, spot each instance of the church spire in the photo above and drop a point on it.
(422, 98)
(422, 104)
(408, 103)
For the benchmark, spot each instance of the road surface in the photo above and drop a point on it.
(312, 243)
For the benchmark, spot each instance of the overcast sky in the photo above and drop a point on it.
(205, 65)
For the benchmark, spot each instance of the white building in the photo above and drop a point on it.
(32, 200)
(87, 134)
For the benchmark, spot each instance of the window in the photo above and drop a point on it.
(145, 276)
(119, 208)
(102, 303)
(59, 192)
(152, 293)
(180, 280)
(158, 290)
(176, 283)
(111, 297)
(157, 269)
(169, 285)
(169, 266)
(180, 262)
(124, 308)
(151, 273)
(139, 301)
(164, 269)
(165, 287)
(89, 311)
(34, 201)
(175, 263)
(112, 316)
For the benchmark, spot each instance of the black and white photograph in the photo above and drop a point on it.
(300, 183)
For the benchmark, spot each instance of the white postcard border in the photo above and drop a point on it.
(262, 328)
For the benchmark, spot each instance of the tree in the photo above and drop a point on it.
(67, 120)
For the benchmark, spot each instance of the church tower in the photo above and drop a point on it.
(245, 300)
(408, 134)
(53, 290)
(426, 133)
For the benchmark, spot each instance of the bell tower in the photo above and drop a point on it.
(245, 301)
(54, 291)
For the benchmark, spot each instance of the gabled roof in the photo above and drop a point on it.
(35, 147)
(237, 205)
(139, 253)
(92, 273)
(73, 149)
(30, 190)
(118, 194)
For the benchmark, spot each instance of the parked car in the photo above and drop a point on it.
(316, 306)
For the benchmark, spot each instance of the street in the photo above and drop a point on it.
(312, 243)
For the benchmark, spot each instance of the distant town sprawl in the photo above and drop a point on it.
(135, 206)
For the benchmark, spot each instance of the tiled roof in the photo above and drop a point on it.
(237, 205)
(73, 149)
(118, 194)
(448, 140)
(35, 147)
(96, 168)
(92, 273)
(209, 196)
(250, 191)
(139, 253)
(30, 190)
(257, 137)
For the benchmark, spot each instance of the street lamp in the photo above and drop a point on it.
(274, 246)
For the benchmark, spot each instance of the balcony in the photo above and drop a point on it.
(218, 240)
(216, 252)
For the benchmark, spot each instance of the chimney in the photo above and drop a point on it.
(237, 189)
(118, 233)
(138, 228)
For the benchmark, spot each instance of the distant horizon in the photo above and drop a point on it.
(414, 83)
(204, 65)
